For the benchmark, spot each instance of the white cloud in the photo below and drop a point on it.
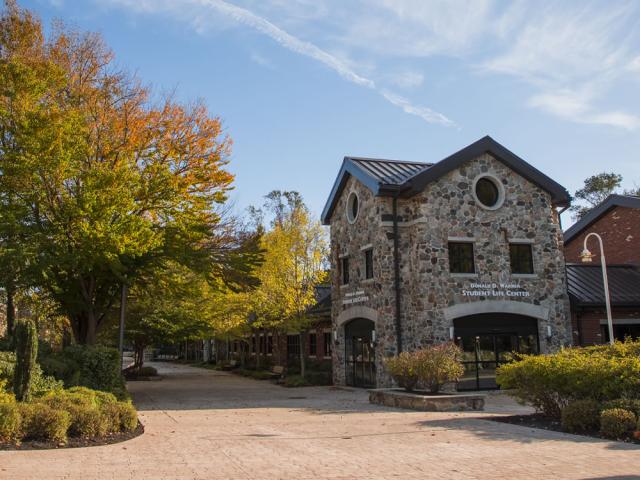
(261, 60)
(248, 18)
(576, 107)
(406, 79)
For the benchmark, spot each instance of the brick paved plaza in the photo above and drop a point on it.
(202, 424)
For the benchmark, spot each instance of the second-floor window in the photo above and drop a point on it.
(368, 263)
(344, 268)
(461, 257)
(521, 257)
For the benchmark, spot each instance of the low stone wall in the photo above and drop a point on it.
(427, 403)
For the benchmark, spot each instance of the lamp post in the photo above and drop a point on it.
(587, 257)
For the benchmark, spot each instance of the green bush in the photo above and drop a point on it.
(41, 383)
(148, 371)
(10, 422)
(431, 367)
(404, 370)
(42, 422)
(551, 382)
(96, 367)
(617, 423)
(633, 405)
(295, 381)
(581, 416)
(122, 417)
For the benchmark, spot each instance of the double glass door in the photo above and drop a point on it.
(484, 353)
(360, 365)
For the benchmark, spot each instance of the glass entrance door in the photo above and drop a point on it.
(484, 353)
(361, 366)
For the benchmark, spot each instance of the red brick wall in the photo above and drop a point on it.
(620, 231)
(588, 323)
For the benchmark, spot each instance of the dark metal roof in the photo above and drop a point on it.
(585, 286)
(323, 300)
(395, 177)
(389, 172)
(612, 201)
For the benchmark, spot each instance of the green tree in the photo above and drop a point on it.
(106, 183)
(294, 264)
(595, 190)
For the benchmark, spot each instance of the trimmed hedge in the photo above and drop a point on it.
(581, 416)
(10, 422)
(42, 422)
(551, 382)
(617, 423)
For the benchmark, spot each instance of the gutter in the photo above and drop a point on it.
(396, 266)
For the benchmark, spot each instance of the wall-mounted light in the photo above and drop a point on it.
(548, 331)
(451, 333)
(335, 335)
(373, 335)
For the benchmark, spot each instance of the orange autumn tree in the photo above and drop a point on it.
(106, 181)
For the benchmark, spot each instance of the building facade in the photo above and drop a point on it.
(468, 249)
(617, 221)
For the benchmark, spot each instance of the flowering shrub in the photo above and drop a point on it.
(431, 367)
(617, 423)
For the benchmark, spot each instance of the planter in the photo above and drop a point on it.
(425, 402)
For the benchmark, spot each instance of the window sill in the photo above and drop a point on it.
(524, 275)
(344, 285)
(464, 275)
(367, 281)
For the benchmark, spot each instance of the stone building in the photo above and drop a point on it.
(467, 249)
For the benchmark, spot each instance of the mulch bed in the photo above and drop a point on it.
(75, 442)
(538, 420)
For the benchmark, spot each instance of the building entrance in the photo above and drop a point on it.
(360, 368)
(488, 340)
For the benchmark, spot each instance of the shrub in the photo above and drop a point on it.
(404, 370)
(97, 367)
(431, 367)
(631, 404)
(42, 422)
(295, 381)
(148, 371)
(40, 385)
(10, 422)
(26, 340)
(551, 382)
(122, 417)
(581, 416)
(617, 423)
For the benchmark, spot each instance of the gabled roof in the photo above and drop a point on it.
(405, 179)
(597, 212)
(585, 286)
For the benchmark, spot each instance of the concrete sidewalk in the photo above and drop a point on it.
(203, 424)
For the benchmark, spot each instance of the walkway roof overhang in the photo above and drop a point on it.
(586, 288)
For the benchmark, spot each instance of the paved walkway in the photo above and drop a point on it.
(202, 424)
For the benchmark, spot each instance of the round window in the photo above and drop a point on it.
(488, 192)
(352, 207)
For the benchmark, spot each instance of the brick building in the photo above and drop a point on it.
(617, 221)
(466, 249)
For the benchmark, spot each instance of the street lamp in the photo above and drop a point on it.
(587, 257)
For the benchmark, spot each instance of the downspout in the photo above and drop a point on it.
(396, 265)
(566, 279)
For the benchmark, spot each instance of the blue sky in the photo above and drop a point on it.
(301, 83)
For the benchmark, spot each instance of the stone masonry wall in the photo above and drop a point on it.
(446, 209)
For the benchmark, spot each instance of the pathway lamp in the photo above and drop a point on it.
(587, 257)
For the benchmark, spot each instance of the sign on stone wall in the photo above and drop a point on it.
(355, 297)
(491, 289)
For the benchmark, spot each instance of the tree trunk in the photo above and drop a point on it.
(303, 354)
(11, 310)
(258, 351)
